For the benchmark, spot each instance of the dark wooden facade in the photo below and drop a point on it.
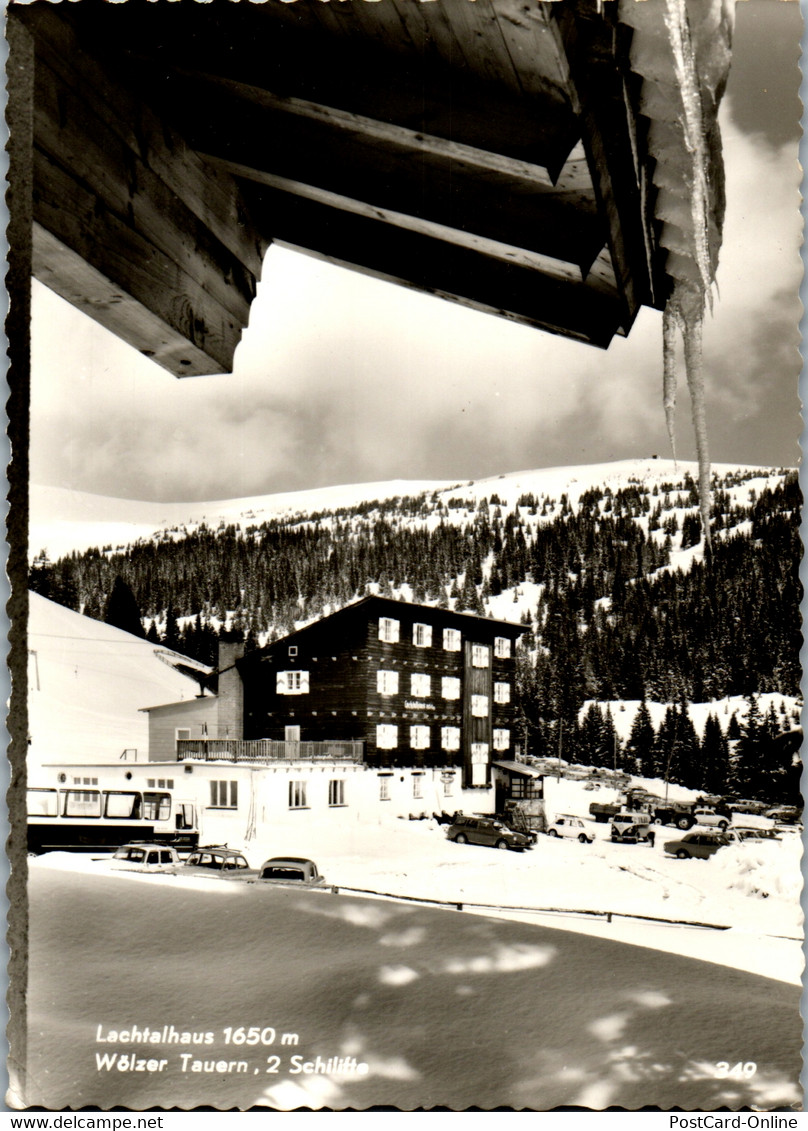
(490, 152)
(338, 661)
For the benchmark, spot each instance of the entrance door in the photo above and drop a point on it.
(291, 734)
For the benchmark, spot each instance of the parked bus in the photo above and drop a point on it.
(77, 819)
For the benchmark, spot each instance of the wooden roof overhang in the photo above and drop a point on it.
(486, 151)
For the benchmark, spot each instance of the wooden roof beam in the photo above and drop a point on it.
(594, 44)
(131, 225)
(262, 136)
(424, 261)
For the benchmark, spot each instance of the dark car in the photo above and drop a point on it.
(290, 869)
(698, 845)
(488, 831)
(218, 860)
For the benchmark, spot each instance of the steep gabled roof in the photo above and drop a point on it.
(375, 606)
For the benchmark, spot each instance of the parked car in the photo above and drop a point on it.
(699, 844)
(144, 856)
(745, 805)
(785, 814)
(290, 869)
(218, 860)
(756, 834)
(486, 830)
(569, 826)
(711, 819)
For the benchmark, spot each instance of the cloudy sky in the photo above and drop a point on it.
(344, 379)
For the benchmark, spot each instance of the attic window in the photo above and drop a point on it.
(293, 649)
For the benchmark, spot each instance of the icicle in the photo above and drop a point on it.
(689, 296)
(669, 373)
(692, 124)
(692, 335)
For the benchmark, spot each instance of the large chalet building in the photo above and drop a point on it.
(418, 686)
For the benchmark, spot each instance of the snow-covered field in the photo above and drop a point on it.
(752, 889)
(241, 986)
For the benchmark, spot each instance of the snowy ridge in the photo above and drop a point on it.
(63, 520)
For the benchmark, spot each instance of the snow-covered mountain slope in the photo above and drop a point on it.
(62, 520)
(87, 683)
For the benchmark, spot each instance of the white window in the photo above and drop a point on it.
(448, 785)
(387, 682)
(422, 635)
(386, 736)
(450, 738)
(420, 685)
(451, 640)
(417, 785)
(502, 647)
(224, 794)
(85, 781)
(502, 739)
(479, 762)
(450, 687)
(479, 655)
(502, 693)
(82, 803)
(336, 791)
(297, 795)
(292, 683)
(479, 706)
(388, 630)
(384, 787)
(419, 737)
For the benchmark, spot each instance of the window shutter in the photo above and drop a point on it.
(304, 683)
(280, 684)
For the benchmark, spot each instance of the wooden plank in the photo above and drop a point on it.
(494, 196)
(437, 267)
(552, 268)
(66, 209)
(75, 138)
(591, 44)
(462, 35)
(534, 49)
(68, 274)
(417, 144)
(213, 198)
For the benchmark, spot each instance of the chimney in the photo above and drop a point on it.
(231, 690)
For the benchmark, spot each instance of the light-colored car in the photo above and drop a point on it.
(144, 857)
(290, 869)
(572, 827)
(708, 818)
(756, 834)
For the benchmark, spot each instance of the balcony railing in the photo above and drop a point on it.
(263, 750)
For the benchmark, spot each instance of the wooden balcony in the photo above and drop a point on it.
(264, 751)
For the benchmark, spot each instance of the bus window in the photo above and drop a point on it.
(43, 803)
(185, 815)
(82, 803)
(123, 805)
(156, 806)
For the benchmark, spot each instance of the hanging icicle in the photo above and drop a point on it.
(682, 50)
